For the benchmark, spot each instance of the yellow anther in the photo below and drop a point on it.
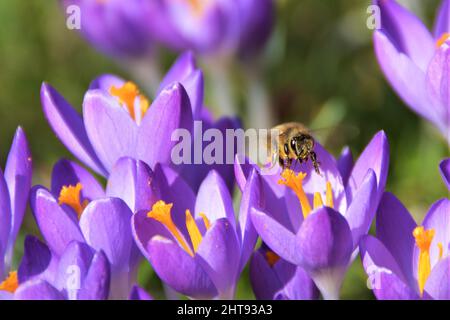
(329, 195)
(127, 95)
(317, 200)
(441, 250)
(295, 182)
(205, 221)
(423, 242)
(161, 212)
(444, 37)
(271, 258)
(194, 232)
(70, 195)
(11, 282)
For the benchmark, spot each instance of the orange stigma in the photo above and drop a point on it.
(161, 212)
(423, 242)
(444, 37)
(70, 195)
(127, 95)
(11, 283)
(271, 258)
(295, 182)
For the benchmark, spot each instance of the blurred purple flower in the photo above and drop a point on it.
(324, 239)
(115, 27)
(406, 261)
(200, 255)
(273, 278)
(15, 185)
(415, 62)
(78, 209)
(79, 273)
(215, 26)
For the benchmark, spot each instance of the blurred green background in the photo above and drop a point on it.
(320, 70)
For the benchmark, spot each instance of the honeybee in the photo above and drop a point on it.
(294, 142)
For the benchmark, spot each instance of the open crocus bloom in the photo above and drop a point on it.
(213, 26)
(79, 273)
(273, 278)
(115, 27)
(318, 226)
(15, 185)
(406, 261)
(119, 121)
(415, 61)
(78, 209)
(193, 242)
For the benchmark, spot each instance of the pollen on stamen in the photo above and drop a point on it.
(295, 182)
(205, 220)
(161, 212)
(11, 283)
(70, 195)
(329, 195)
(127, 95)
(423, 242)
(317, 200)
(441, 250)
(194, 232)
(271, 258)
(442, 39)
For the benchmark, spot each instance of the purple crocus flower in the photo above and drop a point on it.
(78, 209)
(214, 26)
(115, 27)
(415, 61)
(273, 278)
(193, 242)
(79, 273)
(322, 238)
(406, 261)
(15, 184)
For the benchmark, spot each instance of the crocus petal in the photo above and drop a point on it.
(324, 240)
(5, 216)
(37, 260)
(66, 172)
(264, 280)
(438, 219)
(37, 290)
(110, 128)
(407, 32)
(106, 226)
(97, 281)
(242, 169)
(345, 164)
(214, 199)
(170, 111)
(137, 293)
(444, 167)
(385, 276)
(281, 240)
(252, 197)
(218, 254)
(132, 181)
(178, 269)
(325, 245)
(72, 268)
(194, 85)
(58, 226)
(180, 69)
(376, 157)
(68, 127)
(394, 227)
(407, 79)
(442, 23)
(362, 209)
(438, 283)
(18, 178)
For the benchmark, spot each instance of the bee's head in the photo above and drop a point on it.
(302, 145)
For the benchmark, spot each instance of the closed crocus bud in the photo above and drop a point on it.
(115, 27)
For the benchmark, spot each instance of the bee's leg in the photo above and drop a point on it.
(315, 163)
